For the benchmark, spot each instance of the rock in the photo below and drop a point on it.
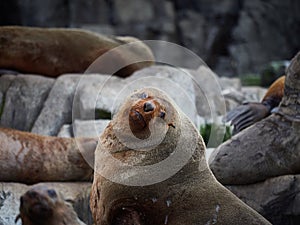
(89, 128)
(253, 93)
(96, 95)
(24, 100)
(209, 99)
(76, 193)
(171, 80)
(57, 108)
(5, 82)
(49, 13)
(230, 83)
(260, 35)
(130, 11)
(88, 12)
(277, 199)
(193, 37)
(66, 131)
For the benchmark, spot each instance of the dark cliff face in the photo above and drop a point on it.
(231, 36)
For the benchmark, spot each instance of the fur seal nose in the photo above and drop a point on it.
(148, 106)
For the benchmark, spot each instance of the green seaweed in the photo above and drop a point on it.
(205, 131)
(102, 114)
(251, 80)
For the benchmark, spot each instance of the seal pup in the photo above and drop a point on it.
(270, 147)
(182, 191)
(43, 206)
(29, 158)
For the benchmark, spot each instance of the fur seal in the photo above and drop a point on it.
(190, 195)
(55, 51)
(41, 205)
(270, 147)
(249, 113)
(30, 158)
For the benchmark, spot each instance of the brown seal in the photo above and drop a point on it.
(180, 192)
(270, 147)
(55, 51)
(249, 113)
(41, 205)
(31, 158)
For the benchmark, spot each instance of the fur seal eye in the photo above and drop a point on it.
(144, 95)
(52, 193)
(162, 115)
(148, 106)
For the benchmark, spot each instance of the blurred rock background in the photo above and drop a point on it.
(234, 37)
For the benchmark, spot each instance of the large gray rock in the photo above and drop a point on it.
(57, 108)
(88, 12)
(66, 131)
(24, 100)
(51, 13)
(261, 34)
(130, 11)
(89, 128)
(209, 99)
(76, 193)
(96, 95)
(83, 128)
(277, 199)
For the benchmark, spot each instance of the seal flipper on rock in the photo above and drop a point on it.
(249, 113)
(182, 191)
(270, 147)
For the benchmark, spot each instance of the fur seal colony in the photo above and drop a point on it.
(249, 113)
(30, 158)
(55, 51)
(270, 147)
(43, 206)
(189, 194)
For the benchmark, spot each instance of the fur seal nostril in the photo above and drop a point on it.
(148, 107)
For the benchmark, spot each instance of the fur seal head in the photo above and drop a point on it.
(41, 205)
(38, 204)
(142, 112)
(145, 119)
